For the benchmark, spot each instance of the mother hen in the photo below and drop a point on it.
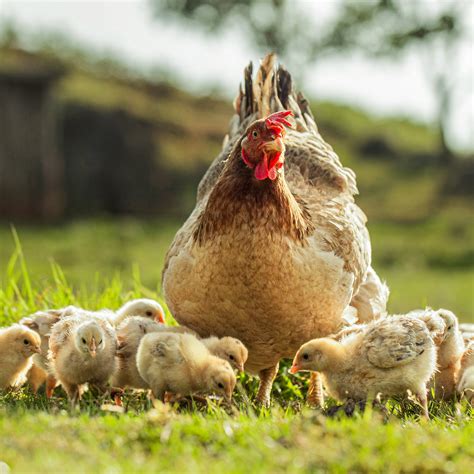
(276, 252)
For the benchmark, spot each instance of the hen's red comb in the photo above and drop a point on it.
(276, 121)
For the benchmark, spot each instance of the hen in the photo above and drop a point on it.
(275, 249)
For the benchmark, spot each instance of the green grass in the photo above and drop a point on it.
(105, 262)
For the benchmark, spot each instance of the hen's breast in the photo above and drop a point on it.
(266, 290)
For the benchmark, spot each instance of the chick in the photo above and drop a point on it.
(144, 307)
(17, 346)
(129, 335)
(229, 349)
(389, 356)
(466, 374)
(41, 322)
(82, 350)
(450, 351)
(181, 364)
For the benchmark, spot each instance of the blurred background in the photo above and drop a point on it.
(111, 111)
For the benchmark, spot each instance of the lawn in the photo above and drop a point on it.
(101, 263)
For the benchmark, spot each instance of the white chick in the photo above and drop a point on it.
(17, 346)
(182, 365)
(82, 350)
(41, 322)
(466, 374)
(129, 335)
(450, 351)
(389, 356)
(228, 348)
(144, 307)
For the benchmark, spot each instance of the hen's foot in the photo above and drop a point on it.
(267, 376)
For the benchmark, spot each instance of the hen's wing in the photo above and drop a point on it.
(396, 341)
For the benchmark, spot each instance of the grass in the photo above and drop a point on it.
(40, 435)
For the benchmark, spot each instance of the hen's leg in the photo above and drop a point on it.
(51, 383)
(267, 376)
(36, 377)
(370, 301)
(315, 396)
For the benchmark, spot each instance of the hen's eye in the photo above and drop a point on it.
(149, 313)
(84, 341)
(231, 357)
(220, 385)
(255, 134)
(305, 356)
(26, 342)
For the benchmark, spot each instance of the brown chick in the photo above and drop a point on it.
(144, 307)
(18, 344)
(450, 351)
(466, 374)
(129, 335)
(229, 349)
(41, 322)
(82, 350)
(389, 356)
(182, 365)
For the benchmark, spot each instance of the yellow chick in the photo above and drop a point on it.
(17, 346)
(129, 335)
(229, 349)
(389, 356)
(41, 322)
(450, 351)
(182, 365)
(144, 307)
(466, 374)
(82, 350)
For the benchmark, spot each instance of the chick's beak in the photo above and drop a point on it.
(295, 367)
(240, 367)
(93, 347)
(228, 394)
(37, 349)
(160, 316)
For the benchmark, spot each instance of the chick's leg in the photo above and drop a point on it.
(421, 395)
(73, 392)
(315, 396)
(267, 376)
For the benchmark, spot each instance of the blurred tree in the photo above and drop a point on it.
(384, 28)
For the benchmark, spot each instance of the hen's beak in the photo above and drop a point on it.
(93, 347)
(160, 317)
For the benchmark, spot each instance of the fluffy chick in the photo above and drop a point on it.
(17, 346)
(450, 351)
(389, 356)
(228, 348)
(181, 364)
(129, 335)
(466, 374)
(143, 307)
(41, 322)
(82, 350)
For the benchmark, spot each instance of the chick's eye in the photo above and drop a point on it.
(26, 342)
(255, 134)
(449, 328)
(100, 342)
(220, 385)
(305, 356)
(84, 341)
(231, 357)
(149, 313)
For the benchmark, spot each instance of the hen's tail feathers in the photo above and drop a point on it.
(270, 91)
